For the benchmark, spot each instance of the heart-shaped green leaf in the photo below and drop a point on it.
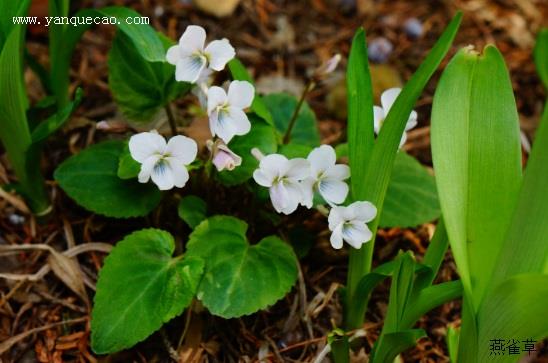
(240, 278)
(140, 287)
(282, 106)
(140, 87)
(411, 198)
(90, 178)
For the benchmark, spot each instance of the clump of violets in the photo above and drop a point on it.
(293, 182)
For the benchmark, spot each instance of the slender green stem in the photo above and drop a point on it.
(310, 85)
(171, 119)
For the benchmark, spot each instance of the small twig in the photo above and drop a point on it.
(172, 352)
(171, 119)
(293, 119)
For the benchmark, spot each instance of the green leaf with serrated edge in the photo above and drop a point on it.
(517, 309)
(263, 137)
(128, 167)
(140, 87)
(140, 287)
(540, 54)
(395, 343)
(411, 198)
(529, 226)
(282, 106)
(192, 210)
(258, 106)
(90, 178)
(477, 160)
(239, 278)
(379, 169)
(54, 122)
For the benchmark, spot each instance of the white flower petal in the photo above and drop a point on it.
(179, 172)
(322, 158)
(339, 172)
(262, 178)
(220, 53)
(162, 175)
(333, 191)
(336, 238)
(356, 234)
(412, 122)
(193, 39)
(146, 168)
(378, 118)
(173, 54)
(222, 125)
(403, 139)
(216, 96)
(183, 148)
(363, 211)
(189, 68)
(146, 144)
(298, 169)
(241, 124)
(240, 94)
(273, 166)
(388, 98)
(307, 187)
(278, 197)
(336, 217)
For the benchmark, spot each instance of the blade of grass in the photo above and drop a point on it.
(379, 168)
(541, 56)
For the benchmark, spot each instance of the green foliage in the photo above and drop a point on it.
(140, 87)
(128, 167)
(478, 173)
(261, 136)
(49, 126)
(541, 56)
(258, 106)
(14, 129)
(9, 9)
(491, 209)
(374, 185)
(411, 198)
(282, 106)
(140, 287)
(192, 210)
(143, 37)
(90, 178)
(240, 278)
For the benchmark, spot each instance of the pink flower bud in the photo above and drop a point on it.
(223, 158)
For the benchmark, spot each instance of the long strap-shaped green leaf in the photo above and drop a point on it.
(379, 167)
(541, 56)
(477, 160)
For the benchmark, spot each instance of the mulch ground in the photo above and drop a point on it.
(280, 42)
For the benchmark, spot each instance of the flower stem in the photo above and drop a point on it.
(310, 85)
(171, 119)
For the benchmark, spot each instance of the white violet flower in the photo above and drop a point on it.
(222, 157)
(283, 178)
(326, 176)
(226, 111)
(161, 162)
(191, 58)
(388, 98)
(349, 224)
